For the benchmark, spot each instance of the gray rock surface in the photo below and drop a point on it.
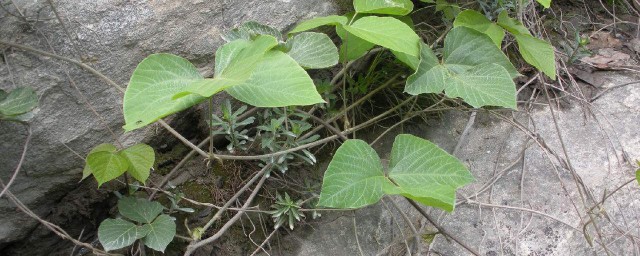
(112, 36)
(602, 141)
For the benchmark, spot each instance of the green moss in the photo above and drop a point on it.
(169, 159)
(198, 192)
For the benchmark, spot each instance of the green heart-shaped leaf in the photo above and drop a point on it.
(141, 158)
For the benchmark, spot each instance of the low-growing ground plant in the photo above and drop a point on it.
(263, 68)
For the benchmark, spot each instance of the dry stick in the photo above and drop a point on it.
(54, 228)
(266, 240)
(467, 128)
(410, 224)
(469, 201)
(611, 88)
(55, 56)
(358, 102)
(575, 175)
(112, 83)
(64, 28)
(175, 169)
(440, 228)
(327, 125)
(24, 154)
(193, 246)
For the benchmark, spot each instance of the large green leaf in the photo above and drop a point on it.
(425, 172)
(108, 147)
(161, 233)
(152, 86)
(19, 101)
(354, 177)
(313, 50)
(352, 47)
(277, 81)
(472, 68)
(537, 52)
(141, 158)
(235, 63)
(475, 20)
(139, 209)
(387, 32)
(392, 7)
(106, 165)
(318, 22)
(118, 233)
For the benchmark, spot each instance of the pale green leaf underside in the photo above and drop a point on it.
(387, 32)
(407, 59)
(106, 166)
(19, 101)
(152, 86)
(139, 209)
(318, 22)
(141, 158)
(475, 20)
(354, 177)
(424, 171)
(161, 233)
(277, 81)
(118, 233)
(392, 7)
(313, 50)
(473, 69)
(468, 47)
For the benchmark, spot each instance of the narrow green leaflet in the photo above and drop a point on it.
(118, 233)
(318, 22)
(313, 50)
(512, 25)
(277, 81)
(108, 147)
(152, 86)
(238, 59)
(537, 52)
(392, 7)
(354, 177)
(139, 209)
(19, 101)
(475, 20)
(545, 3)
(141, 158)
(352, 47)
(161, 233)
(387, 32)
(106, 166)
(425, 172)
(472, 69)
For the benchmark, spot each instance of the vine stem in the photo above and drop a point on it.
(440, 228)
(20, 162)
(197, 244)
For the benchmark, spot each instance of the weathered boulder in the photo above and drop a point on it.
(524, 202)
(112, 36)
